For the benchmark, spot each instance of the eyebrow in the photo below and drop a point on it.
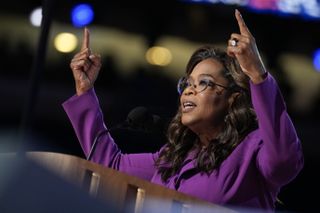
(204, 74)
(207, 75)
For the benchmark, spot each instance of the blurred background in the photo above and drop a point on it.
(145, 48)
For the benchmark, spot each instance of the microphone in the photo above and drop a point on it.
(138, 119)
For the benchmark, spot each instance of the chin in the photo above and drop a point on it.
(188, 121)
(185, 120)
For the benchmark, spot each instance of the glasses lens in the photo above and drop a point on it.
(181, 85)
(203, 84)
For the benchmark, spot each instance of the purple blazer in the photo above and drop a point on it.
(251, 176)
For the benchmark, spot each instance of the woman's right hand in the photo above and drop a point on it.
(85, 66)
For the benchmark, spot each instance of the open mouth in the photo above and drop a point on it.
(188, 106)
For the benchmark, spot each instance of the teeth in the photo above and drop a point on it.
(188, 104)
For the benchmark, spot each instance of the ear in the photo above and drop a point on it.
(232, 98)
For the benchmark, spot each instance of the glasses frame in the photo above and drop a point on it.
(184, 78)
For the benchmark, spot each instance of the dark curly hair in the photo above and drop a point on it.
(239, 120)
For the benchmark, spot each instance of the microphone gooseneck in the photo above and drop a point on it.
(138, 119)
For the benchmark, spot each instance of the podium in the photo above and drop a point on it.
(119, 191)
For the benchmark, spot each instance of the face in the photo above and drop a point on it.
(202, 111)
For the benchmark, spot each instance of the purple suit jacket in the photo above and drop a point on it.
(251, 176)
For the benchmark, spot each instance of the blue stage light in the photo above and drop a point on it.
(82, 15)
(316, 60)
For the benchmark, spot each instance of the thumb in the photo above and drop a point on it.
(95, 59)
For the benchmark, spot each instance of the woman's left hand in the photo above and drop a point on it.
(244, 48)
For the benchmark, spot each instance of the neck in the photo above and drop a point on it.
(208, 135)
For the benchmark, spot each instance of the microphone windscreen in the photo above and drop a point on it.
(138, 115)
(141, 119)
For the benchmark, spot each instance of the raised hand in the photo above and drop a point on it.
(244, 48)
(85, 66)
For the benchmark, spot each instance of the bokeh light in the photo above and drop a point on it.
(65, 42)
(36, 17)
(316, 60)
(158, 56)
(82, 15)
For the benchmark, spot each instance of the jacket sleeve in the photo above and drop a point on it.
(86, 118)
(280, 156)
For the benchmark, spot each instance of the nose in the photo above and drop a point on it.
(189, 90)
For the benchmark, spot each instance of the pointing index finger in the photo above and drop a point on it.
(242, 25)
(86, 39)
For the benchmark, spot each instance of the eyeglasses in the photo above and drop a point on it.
(202, 85)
